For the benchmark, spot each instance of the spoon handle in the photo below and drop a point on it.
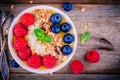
(3, 42)
(3, 61)
(4, 66)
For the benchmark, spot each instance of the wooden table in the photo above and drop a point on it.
(101, 18)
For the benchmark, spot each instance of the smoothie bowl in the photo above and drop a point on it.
(42, 39)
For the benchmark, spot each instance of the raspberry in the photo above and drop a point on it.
(24, 54)
(27, 19)
(77, 66)
(34, 61)
(49, 61)
(19, 43)
(93, 56)
(19, 31)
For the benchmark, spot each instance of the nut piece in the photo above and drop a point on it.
(83, 10)
(65, 58)
(12, 7)
(51, 73)
(31, 1)
(73, 18)
(86, 27)
(89, 23)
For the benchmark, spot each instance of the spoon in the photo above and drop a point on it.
(5, 27)
(4, 65)
(2, 18)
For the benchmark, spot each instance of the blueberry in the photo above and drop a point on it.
(67, 6)
(65, 27)
(68, 38)
(55, 28)
(56, 18)
(14, 64)
(66, 50)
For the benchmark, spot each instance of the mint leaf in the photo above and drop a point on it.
(39, 33)
(85, 37)
(47, 38)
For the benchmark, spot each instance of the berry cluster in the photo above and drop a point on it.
(64, 27)
(92, 56)
(19, 31)
(22, 49)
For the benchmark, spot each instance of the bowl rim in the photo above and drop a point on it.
(19, 61)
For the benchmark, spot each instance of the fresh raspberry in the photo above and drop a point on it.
(49, 61)
(34, 61)
(19, 31)
(27, 19)
(24, 54)
(19, 43)
(77, 66)
(93, 56)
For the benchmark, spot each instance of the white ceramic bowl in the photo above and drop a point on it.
(19, 61)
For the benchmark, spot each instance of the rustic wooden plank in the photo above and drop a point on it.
(65, 77)
(105, 20)
(62, 1)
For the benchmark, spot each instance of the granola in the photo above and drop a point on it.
(42, 49)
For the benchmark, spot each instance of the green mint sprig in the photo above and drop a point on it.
(40, 34)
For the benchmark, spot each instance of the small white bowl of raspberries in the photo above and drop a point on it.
(42, 39)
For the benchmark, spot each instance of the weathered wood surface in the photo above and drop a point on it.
(104, 23)
(62, 1)
(65, 77)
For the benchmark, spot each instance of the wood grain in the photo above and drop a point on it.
(64, 77)
(62, 1)
(105, 23)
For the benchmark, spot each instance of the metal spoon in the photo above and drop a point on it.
(5, 27)
(4, 65)
(2, 18)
